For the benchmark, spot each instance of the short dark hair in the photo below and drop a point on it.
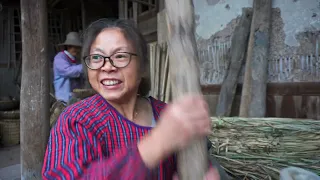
(132, 34)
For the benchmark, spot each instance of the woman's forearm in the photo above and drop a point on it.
(152, 150)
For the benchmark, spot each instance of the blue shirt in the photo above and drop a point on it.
(64, 70)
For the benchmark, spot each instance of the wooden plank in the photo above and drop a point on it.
(148, 26)
(125, 9)
(13, 40)
(143, 2)
(121, 9)
(161, 5)
(253, 102)
(135, 12)
(146, 15)
(83, 14)
(1, 34)
(150, 6)
(9, 33)
(279, 89)
(185, 79)
(238, 48)
(162, 27)
(54, 3)
(34, 106)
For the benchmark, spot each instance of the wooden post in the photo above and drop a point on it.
(162, 29)
(253, 98)
(192, 162)
(238, 49)
(34, 106)
(135, 12)
(121, 9)
(161, 5)
(125, 9)
(83, 14)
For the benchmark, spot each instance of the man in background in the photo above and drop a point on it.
(67, 72)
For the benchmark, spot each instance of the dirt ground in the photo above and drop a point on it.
(10, 163)
(9, 156)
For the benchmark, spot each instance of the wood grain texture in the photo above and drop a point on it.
(34, 106)
(238, 50)
(253, 101)
(184, 74)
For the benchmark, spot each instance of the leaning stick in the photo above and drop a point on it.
(184, 65)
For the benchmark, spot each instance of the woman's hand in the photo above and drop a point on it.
(212, 174)
(183, 121)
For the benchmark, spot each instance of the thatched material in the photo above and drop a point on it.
(83, 93)
(55, 112)
(258, 148)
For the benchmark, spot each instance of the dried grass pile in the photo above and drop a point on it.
(258, 148)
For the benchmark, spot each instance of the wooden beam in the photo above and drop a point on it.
(253, 100)
(121, 9)
(238, 47)
(144, 3)
(135, 12)
(161, 5)
(148, 26)
(162, 27)
(83, 14)
(125, 9)
(192, 162)
(276, 89)
(34, 106)
(54, 3)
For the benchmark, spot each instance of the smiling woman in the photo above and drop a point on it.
(120, 133)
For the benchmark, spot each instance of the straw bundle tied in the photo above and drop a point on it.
(258, 148)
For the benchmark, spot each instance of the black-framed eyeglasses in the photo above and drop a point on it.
(118, 60)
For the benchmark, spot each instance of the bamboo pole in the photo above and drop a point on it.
(192, 161)
(165, 73)
(157, 70)
(151, 68)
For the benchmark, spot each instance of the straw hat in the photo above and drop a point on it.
(73, 39)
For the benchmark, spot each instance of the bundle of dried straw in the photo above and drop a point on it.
(258, 148)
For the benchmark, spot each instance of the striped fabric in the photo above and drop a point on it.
(91, 140)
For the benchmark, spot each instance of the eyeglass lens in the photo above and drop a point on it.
(118, 60)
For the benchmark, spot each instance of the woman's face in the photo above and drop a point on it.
(114, 84)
